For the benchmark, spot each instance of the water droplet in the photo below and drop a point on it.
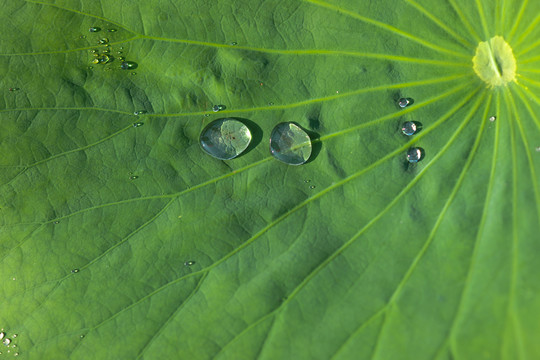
(81, 336)
(137, 124)
(127, 65)
(189, 263)
(404, 102)
(217, 108)
(111, 30)
(74, 271)
(82, 36)
(225, 139)
(14, 279)
(492, 118)
(103, 41)
(6, 341)
(414, 155)
(290, 144)
(234, 43)
(94, 29)
(206, 115)
(90, 67)
(13, 346)
(408, 128)
(307, 181)
(270, 103)
(121, 58)
(133, 73)
(16, 354)
(15, 335)
(95, 61)
(121, 48)
(312, 187)
(57, 222)
(134, 177)
(14, 89)
(2, 334)
(103, 59)
(140, 112)
(537, 148)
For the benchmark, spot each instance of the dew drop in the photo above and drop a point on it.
(16, 354)
(538, 148)
(217, 108)
(189, 263)
(2, 334)
(94, 29)
(140, 112)
(57, 222)
(103, 41)
(404, 102)
(312, 187)
(111, 30)
(225, 139)
(6, 341)
(307, 181)
(134, 177)
(270, 103)
(82, 36)
(14, 336)
(408, 128)
(90, 67)
(74, 271)
(137, 124)
(95, 61)
(414, 155)
(81, 336)
(290, 144)
(492, 118)
(128, 65)
(133, 73)
(234, 43)
(13, 346)
(14, 89)
(206, 115)
(103, 59)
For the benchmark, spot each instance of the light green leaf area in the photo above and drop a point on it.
(130, 242)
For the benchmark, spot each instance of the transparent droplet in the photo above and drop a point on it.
(290, 144)
(492, 118)
(408, 128)
(103, 59)
(94, 29)
(121, 58)
(74, 271)
(206, 115)
(111, 30)
(6, 341)
(16, 354)
(225, 139)
(57, 222)
(90, 67)
(14, 336)
(95, 61)
(140, 112)
(103, 41)
(13, 346)
(234, 43)
(81, 336)
(307, 181)
(537, 148)
(404, 102)
(82, 36)
(137, 124)
(217, 108)
(134, 177)
(133, 73)
(127, 65)
(189, 263)
(14, 89)
(2, 334)
(270, 103)
(312, 187)
(414, 155)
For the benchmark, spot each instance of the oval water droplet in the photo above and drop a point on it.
(290, 144)
(492, 118)
(16, 354)
(408, 128)
(103, 41)
(111, 30)
(134, 177)
(82, 36)
(234, 43)
(414, 155)
(14, 336)
(140, 112)
(2, 334)
(6, 341)
(312, 187)
(217, 108)
(81, 336)
(189, 263)
(128, 65)
(307, 181)
(404, 102)
(74, 271)
(57, 222)
(225, 139)
(137, 124)
(12, 89)
(103, 59)
(94, 29)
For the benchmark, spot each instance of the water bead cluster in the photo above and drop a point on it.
(410, 128)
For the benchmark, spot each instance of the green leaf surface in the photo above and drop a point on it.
(130, 242)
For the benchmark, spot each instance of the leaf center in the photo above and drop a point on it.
(494, 62)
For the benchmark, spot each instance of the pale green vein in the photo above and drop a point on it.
(68, 109)
(503, 16)
(533, 97)
(386, 27)
(498, 17)
(464, 20)
(479, 235)
(443, 212)
(510, 312)
(529, 48)
(528, 30)
(342, 248)
(482, 18)
(530, 60)
(528, 107)
(518, 19)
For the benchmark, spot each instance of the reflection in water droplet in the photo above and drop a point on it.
(217, 108)
(270, 103)
(225, 139)
(290, 144)
(57, 222)
(111, 30)
(189, 263)
(103, 59)
(94, 29)
(83, 36)
(307, 181)
(6, 341)
(137, 124)
(414, 155)
(492, 118)
(75, 271)
(81, 336)
(404, 102)
(408, 128)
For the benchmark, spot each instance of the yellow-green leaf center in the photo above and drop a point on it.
(494, 62)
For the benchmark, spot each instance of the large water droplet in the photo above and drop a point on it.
(2, 334)
(408, 128)
(404, 102)
(6, 341)
(225, 138)
(414, 155)
(290, 144)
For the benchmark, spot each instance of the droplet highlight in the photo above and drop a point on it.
(189, 263)
(128, 65)
(140, 112)
(94, 29)
(2, 334)
(409, 128)
(290, 144)
(138, 124)
(225, 139)
(74, 271)
(217, 108)
(6, 341)
(414, 155)
(404, 102)
(492, 118)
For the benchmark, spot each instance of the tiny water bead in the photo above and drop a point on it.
(14, 89)
(189, 263)
(234, 43)
(134, 177)
(138, 124)
(312, 187)
(404, 102)
(94, 29)
(225, 139)
(414, 155)
(14, 336)
(492, 118)
(139, 112)
(111, 30)
(103, 41)
(127, 65)
(290, 144)
(408, 128)
(2, 334)
(6, 341)
(217, 108)
(74, 271)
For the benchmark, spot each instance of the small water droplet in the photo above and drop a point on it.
(134, 177)
(189, 263)
(14, 89)
(414, 155)
(111, 30)
(103, 41)
(6, 341)
(137, 124)
(14, 336)
(307, 181)
(13, 346)
(537, 148)
(404, 102)
(225, 139)
(95, 61)
(270, 103)
(121, 48)
(2, 334)
(127, 65)
(14, 279)
(290, 144)
(206, 115)
(81, 336)
(133, 73)
(234, 43)
(94, 29)
(90, 67)
(103, 59)
(217, 108)
(492, 118)
(121, 58)
(16, 354)
(408, 128)
(57, 222)
(82, 37)
(140, 112)
(312, 187)
(74, 271)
